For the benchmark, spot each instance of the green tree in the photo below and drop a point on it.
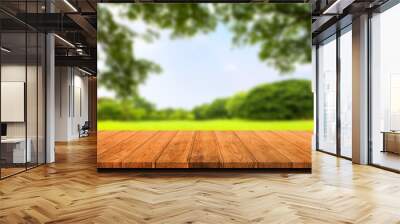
(289, 99)
(235, 104)
(112, 109)
(282, 32)
(140, 102)
(123, 71)
(109, 109)
(200, 112)
(216, 109)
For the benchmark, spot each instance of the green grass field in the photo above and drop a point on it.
(215, 125)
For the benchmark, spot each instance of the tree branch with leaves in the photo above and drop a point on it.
(281, 31)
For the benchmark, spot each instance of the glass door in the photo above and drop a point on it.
(327, 95)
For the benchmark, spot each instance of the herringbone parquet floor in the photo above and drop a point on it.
(72, 191)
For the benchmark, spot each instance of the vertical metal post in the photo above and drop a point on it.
(26, 86)
(37, 90)
(0, 93)
(369, 90)
(338, 80)
(317, 96)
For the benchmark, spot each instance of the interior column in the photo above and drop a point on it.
(360, 90)
(50, 92)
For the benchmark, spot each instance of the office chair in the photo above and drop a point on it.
(84, 130)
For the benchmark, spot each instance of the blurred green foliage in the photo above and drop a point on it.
(215, 109)
(284, 100)
(235, 104)
(281, 31)
(124, 72)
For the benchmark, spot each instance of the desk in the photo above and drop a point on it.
(17, 150)
(391, 141)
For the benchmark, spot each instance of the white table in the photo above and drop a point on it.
(19, 155)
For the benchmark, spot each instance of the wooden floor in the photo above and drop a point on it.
(387, 159)
(204, 149)
(10, 171)
(73, 191)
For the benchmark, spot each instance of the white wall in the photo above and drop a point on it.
(13, 73)
(13, 100)
(62, 82)
(71, 94)
(80, 109)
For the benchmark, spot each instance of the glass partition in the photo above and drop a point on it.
(14, 153)
(385, 89)
(327, 96)
(22, 67)
(346, 93)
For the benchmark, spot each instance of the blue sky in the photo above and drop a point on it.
(199, 69)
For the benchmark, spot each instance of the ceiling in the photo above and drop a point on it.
(75, 22)
(332, 15)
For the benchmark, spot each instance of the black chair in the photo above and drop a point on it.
(84, 130)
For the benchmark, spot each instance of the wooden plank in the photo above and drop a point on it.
(200, 149)
(113, 158)
(176, 154)
(101, 134)
(305, 135)
(104, 137)
(205, 152)
(285, 143)
(296, 155)
(293, 137)
(265, 155)
(145, 156)
(234, 154)
(107, 143)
